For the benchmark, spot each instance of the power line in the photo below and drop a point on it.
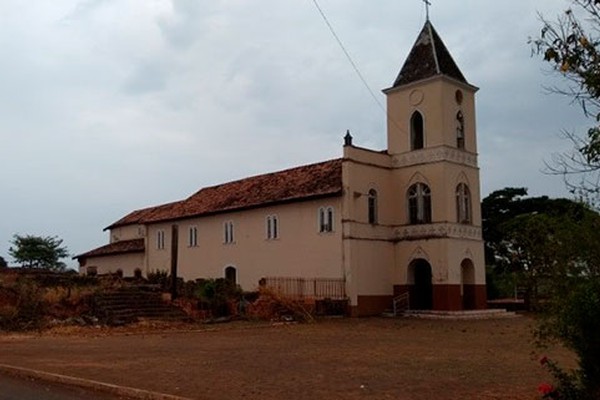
(354, 66)
(360, 75)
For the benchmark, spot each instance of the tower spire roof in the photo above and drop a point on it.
(428, 57)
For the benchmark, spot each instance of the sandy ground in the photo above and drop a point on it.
(332, 359)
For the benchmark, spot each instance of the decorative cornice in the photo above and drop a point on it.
(435, 154)
(438, 230)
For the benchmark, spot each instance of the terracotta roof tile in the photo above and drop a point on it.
(120, 247)
(140, 216)
(300, 183)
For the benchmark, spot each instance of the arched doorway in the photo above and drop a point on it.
(467, 284)
(231, 274)
(421, 293)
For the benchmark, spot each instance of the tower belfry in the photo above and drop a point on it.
(432, 142)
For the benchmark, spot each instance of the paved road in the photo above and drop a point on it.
(12, 388)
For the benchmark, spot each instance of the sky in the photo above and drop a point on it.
(107, 106)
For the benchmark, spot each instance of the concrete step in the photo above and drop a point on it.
(466, 314)
(138, 304)
(129, 306)
(147, 311)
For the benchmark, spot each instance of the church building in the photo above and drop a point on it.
(379, 224)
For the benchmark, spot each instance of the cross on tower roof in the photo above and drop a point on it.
(427, 4)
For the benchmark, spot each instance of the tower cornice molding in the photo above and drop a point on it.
(438, 230)
(433, 155)
(465, 86)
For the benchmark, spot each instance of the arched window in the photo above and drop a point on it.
(231, 274)
(463, 204)
(419, 204)
(372, 204)
(416, 131)
(460, 130)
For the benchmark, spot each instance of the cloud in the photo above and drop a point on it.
(108, 106)
(146, 78)
(84, 8)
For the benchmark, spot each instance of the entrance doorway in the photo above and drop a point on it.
(421, 296)
(231, 274)
(467, 284)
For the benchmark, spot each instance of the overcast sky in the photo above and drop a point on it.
(107, 106)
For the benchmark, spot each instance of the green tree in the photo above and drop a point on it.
(532, 242)
(571, 45)
(550, 247)
(39, 252)
(3, 263)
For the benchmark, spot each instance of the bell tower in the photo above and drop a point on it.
(433, 146)
(430, 103)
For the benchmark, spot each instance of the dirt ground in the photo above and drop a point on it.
(332, 359)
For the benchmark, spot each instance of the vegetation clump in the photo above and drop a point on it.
(33, 301)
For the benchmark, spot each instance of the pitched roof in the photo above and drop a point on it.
(428, 57)
(141, 215)
(120, 247)
(299, 183)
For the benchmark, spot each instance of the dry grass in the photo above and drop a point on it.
(26, 304)
(273, 306)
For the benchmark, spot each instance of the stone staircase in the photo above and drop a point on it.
(127, 305)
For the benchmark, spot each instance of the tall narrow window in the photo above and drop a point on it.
(460, 130)
(160, 239)
(231, 274)
(322, 219)
(417, 140)
(372, 204)
(272, 227)
(193, 236)
(228, 236)
(463, 204)
(419, 204)
(326, 219)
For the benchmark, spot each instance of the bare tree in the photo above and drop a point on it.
(571, 45)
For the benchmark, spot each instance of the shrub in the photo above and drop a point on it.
(25, 308)
(159, 277)
(30, 301)
(573, 319)
(216, 295)
(66, 302)
(568, 384)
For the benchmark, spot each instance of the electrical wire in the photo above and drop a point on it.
(354, 66)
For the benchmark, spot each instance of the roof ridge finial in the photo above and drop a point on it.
(427, 4)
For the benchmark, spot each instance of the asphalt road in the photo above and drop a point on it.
(12, 388)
